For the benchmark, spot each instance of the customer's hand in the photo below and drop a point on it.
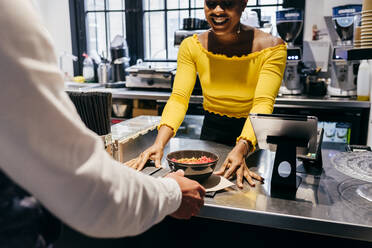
(154, 152)
(192, 196)
(235, 163)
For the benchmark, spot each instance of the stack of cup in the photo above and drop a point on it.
(366, 29)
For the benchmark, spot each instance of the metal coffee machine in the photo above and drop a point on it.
(119, 61)
(289, 24)
(343, 72)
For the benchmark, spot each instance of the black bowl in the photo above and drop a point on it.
(197, 172)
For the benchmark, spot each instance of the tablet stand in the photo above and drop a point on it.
(285, 153)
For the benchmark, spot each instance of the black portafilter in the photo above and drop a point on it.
(309, 77)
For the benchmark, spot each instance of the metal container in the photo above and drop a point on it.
(103, 72)
(151, 75)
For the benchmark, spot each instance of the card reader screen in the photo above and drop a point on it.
(293, 54)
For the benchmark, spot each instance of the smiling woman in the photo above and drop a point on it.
(224, 18)
(219, 13)
(240, 70)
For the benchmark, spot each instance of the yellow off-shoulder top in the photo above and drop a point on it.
(232, 86)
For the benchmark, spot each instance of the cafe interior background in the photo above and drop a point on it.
(152, 31)
(132, 47)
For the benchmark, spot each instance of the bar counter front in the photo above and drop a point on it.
(318, 214)
(318, 207)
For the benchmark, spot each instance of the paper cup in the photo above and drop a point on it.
(367, 5)
(357, 33)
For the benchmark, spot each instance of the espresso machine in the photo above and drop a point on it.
(289, 23)
(343, 72)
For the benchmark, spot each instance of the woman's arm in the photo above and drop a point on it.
(267, 88)
(175, 109)
(270, 79)
(154, 152)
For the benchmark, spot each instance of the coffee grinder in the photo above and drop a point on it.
(289, 24)
(343, 72)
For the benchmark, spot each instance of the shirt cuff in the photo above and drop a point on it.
(175, 194)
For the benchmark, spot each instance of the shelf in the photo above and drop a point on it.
(359, 53)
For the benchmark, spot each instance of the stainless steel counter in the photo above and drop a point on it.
(320, 102)
(318, 207)
(281, 101)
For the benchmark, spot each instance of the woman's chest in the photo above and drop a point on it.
(237, 72)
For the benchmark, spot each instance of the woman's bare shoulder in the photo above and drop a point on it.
(264, 40)
(203, 39)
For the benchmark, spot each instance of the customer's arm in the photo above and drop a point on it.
(46, 149)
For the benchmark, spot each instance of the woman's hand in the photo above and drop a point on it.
(154, 152)
(235, 163)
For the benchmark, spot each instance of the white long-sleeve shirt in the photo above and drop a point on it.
(46, 148)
